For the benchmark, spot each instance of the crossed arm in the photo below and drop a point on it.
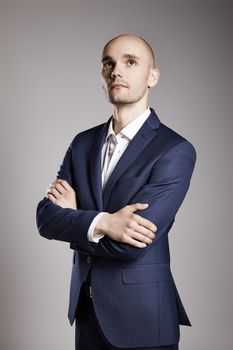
(164, 193)
(122, 226)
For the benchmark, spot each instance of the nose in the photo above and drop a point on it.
(116, 72)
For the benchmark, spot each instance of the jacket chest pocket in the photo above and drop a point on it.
(128, 182)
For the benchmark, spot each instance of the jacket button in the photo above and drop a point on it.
(88, 260)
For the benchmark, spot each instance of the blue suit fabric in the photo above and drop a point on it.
(134, 294)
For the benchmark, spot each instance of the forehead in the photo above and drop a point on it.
(120, 47)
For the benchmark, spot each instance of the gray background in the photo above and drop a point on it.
(50, 90)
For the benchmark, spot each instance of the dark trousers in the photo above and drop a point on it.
(88, 335)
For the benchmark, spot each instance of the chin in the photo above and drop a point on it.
(117, 100)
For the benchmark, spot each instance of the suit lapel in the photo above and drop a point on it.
(145, 134)
(95, 164)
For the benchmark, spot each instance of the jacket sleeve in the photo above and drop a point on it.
(65, 224)
(164, 192)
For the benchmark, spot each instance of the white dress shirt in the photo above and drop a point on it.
(118, 144)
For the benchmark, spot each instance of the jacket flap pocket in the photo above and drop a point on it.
(146, 274)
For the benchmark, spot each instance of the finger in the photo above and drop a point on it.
(134, 243)
(146, 223)
(65, 184)
(140, 237)
(51, 198)
(57, 184)
(60, 188)
(54, 192)
(144, 231)
(138, 206)
(135, 226)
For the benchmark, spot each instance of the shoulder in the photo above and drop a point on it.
(176, 143)
(87, 136)
(168, 139)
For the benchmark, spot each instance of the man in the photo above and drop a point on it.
(115, 200)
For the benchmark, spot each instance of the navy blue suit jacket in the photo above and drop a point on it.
(134, 294)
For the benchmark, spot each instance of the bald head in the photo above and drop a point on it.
(137, 40)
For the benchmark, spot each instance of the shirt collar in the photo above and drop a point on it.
(130, 130)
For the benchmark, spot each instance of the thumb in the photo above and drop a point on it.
(139, 206)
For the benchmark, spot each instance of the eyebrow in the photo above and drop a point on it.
(106, 58)
(126, 55)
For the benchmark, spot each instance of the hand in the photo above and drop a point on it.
(62, 194)
(126, 227)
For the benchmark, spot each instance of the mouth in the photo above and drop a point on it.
(117, 86)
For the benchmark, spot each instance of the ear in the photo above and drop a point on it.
(153, 77)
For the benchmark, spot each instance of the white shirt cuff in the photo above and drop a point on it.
(90, 233)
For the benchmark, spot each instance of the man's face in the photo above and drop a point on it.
(126, 70)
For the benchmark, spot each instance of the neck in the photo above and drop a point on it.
(124, 114)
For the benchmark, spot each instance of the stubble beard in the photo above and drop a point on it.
(119, 100)
(124, 100)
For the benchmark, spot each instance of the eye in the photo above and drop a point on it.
(131, 62)
(108, 64)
